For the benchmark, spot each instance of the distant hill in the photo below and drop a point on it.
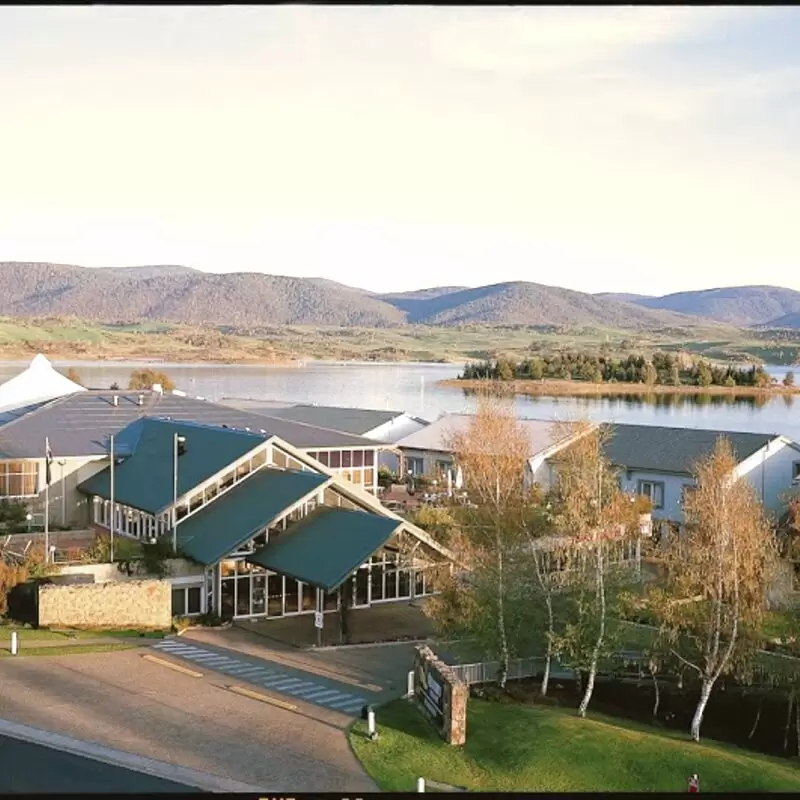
(248, 301)
(623, 296)
(741, 306)
(521, 303)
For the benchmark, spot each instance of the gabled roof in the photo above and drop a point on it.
(38, 383)
(359, 421)
(653, 448)
(235, 517)
(80, 424)
(326, 546)
(144, 480)
(436, 436)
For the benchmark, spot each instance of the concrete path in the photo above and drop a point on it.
(124, 701)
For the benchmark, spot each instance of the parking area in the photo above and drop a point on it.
(125, 701)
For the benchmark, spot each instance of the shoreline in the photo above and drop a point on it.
(565, 388)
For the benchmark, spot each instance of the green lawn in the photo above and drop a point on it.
(522, 748)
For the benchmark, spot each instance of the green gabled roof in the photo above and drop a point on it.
(326, 546)
(236, 516)
(144, 480)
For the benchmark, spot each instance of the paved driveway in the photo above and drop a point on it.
(27, 768)
(127, 702)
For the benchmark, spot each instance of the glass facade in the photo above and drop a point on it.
(357, 466)
(19, 478)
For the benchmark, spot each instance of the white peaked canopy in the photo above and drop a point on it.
(37, 384)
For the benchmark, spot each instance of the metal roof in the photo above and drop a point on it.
(359, 421)
(236, 516)
(436, 437)
(653, 448)
(326, 546)
(80, 424)
(144, 480)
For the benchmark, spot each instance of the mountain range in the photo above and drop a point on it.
(247, 301)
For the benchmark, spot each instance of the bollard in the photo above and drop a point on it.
(14, 643)
(420, 784)
(371, 729)
(410, 686)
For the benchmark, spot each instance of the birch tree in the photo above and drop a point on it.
(493, 452)
(717, 574)
(594, 514)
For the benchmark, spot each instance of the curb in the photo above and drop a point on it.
(315, 649)
(118, 758)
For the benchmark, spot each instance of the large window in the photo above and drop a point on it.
(19, 478)
(415, 465)
(796, 472)
(654, 490)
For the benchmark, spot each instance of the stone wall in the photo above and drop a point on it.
(136, 604)
(441, 696)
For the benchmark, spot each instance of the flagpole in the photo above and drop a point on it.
(175, 494)
(113, 514)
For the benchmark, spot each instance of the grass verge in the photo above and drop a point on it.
(515, 748)
(68, 650)
(47, 635)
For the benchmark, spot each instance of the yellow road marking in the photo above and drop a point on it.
(176, 667)
(262, 697)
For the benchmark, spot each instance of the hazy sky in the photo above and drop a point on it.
(626, 149)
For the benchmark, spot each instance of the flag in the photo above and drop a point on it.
(48, 462)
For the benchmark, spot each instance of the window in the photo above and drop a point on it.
(415, 466)
(686, 491)
(19, 478)
(369, 458)
(186, 601)
(796, 472)
(654, 491)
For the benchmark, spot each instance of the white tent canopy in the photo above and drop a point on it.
(37, 384)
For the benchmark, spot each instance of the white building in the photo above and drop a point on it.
(428, 451)
(658, 462)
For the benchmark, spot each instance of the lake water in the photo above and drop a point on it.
(413, 388)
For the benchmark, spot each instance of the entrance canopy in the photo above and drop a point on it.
(326, 546)
(247, 508)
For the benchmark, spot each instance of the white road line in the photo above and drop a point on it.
(286, 683)
(345, 701)
(300, 692)
(252, 671)
(316, 697)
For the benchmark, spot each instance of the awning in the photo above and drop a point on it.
(326, 546)
(236, 516)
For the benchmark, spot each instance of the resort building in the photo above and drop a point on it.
(429, 451)
(272, 531)
(388, 427)
(658, 462)
(77, 427)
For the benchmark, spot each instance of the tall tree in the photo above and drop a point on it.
(717, 574)
(493, 452)
(148, 377)
(597, 517)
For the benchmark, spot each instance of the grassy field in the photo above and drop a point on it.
(517, 749)
(553, 388)
(74, 339)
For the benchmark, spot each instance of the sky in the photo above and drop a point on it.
(629, 149)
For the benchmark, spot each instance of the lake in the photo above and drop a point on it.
(413, 388)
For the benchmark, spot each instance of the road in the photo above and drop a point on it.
(30, 768)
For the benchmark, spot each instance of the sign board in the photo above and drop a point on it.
(441, 697)
(318, 619)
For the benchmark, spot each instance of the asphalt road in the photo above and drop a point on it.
(27, 768)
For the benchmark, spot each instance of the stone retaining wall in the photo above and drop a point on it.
(145, 604)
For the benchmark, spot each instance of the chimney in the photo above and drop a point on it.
(157, 387)
(141, 399)
(115, 400)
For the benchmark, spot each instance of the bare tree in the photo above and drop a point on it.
(596, 516)
(716, 575)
